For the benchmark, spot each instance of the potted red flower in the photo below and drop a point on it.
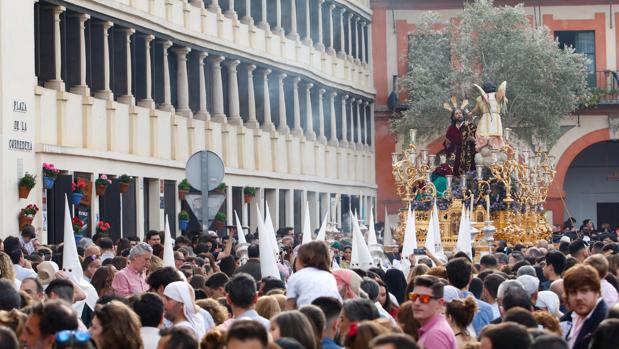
(26, 215)
(103, 227)
(101, 184)
(77, 191)
(248, 194)
(78, 225)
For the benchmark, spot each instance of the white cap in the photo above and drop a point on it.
(550, 301)
(450, 293)
(565, 239)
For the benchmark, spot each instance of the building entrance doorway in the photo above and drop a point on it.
(608, 212)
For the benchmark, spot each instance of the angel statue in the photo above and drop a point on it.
(459, 145)
(491, 103)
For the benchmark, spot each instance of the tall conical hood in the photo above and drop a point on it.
(431, 235)
(268, 223)
(70, 260)
(268, 265)
(322, 232)
(372, 232)
(307, 228)
(464, 233)
(387, 237)
(360, 257)
(168, 249)
(239, 230)
(71, 264)
(410, 234)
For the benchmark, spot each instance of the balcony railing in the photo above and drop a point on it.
(606, 86)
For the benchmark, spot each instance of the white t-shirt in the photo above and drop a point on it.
(310, 283)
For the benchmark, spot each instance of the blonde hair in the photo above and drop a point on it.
(548, 321)
(268, 307)
(6, 267)
(218, 311)
(281, 299)
(121, 326)
(155, 263)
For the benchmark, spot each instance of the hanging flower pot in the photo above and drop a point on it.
(76, 198)
(77, 239)
(183, 224)
(182, 194)
(48, 182)
(100, 189)
(25, 184)
(23, 192)
(124, 187)
(24, 219)
(247, 198)
(219, 221)
(101, 184)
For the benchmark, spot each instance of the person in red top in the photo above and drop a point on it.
(131, 280)
(428, 302)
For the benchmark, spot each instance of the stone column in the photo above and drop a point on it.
(203, 113)
(106, 93)
(357, 38)
(344, 141)
(264, 23)
(359, 142)
(293, 35)
(353, 101)
(330, 49)
(148, 101)
(230, 13)
(372, 134)
(218, 90)
(128, 97)
(319, 44)
(252, 121)
(57, 83)
(182, 83)
(309, 120)
(278, 18)
(247, 19)
(350, 16)
(333, 138)
(321, 117)
(363, 56)
(215, 6)
(342, 52)
(283, 126)
(82, 88)
(308, 30)
(267, 125)
(297, 130)
(234, 112)
(365, 123)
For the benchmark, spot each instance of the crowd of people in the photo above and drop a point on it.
(561, 293)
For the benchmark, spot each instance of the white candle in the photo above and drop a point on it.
(488, 206)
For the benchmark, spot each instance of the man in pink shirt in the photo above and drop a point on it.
(428, 302)
(131, 280)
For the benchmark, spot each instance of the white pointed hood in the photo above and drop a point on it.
(71, 264)
(360, 257)
(372, 232)
(268, 265)
(307, 228)
(239, 230)
(268, 223)
(168, 249)
(410, 234)
(433, 237)
(464, 233)
(322, 232)
(387, 237)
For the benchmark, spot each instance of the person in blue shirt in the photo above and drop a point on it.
(332, 308)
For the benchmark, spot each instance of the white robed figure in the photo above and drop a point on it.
(491, 103)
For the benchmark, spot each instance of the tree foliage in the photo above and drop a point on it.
(486, 43)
